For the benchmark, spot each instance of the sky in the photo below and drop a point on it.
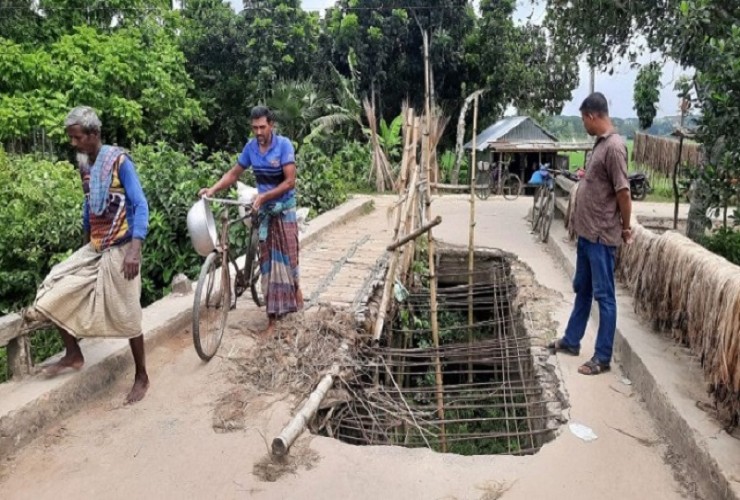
(618, 87)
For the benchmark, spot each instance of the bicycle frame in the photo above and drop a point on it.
(228, 256)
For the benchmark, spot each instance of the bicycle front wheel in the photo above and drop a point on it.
(211, 306)
(539, 193)
(483, 184)
(512, 187)
(548, 214)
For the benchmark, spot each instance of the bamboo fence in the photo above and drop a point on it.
(660, 153)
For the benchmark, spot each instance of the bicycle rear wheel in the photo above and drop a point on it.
(548, 213)
(211, 306)
(483, 184)
(512, 187)
(252, 267)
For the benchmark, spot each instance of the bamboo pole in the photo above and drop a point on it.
(433, 297)
(281, 444)
(415, 234)
(393, 265)
(410, 221)
(471, 238)
(409, 153)
(450, 187)
(426, 147)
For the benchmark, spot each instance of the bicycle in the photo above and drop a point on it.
(543, 209)
(500, 181)
(213, 294)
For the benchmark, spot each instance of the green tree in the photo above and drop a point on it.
(647, 93)
(237, 59)
(385, 46)
(139, 97)
(297, 105)
(213, 41)
(19, 22)
(373, 39)
(63, 16)
(346, 108)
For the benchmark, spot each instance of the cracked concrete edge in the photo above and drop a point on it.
(22, 425)
(681, 437)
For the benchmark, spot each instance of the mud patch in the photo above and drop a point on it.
(493, 490)
(230, 412)
(271, 469)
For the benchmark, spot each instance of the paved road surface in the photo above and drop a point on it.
(165, 447)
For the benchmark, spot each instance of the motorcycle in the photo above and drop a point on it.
(639, 186)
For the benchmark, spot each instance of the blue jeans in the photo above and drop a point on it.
(594, 279)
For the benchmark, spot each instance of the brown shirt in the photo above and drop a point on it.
(597, 217)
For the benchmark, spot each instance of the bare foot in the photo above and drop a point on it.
(66, 363)
(141, 384)
(299, 299)
(268, 333)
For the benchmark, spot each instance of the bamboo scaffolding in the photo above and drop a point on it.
(410, 221)
(660, 153)
(407, 200)
(471, 236)
(433, 289)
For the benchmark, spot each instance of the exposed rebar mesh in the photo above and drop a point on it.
(492, 400)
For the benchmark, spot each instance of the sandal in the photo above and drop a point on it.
(593, 367)
(557, 345)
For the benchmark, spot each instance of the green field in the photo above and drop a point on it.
(576, 158)
(662, 186)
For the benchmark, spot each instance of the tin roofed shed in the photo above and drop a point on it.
(520, 144)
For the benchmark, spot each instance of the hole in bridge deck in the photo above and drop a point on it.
(493, 398)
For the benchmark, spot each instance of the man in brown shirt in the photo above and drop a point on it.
(601, 220)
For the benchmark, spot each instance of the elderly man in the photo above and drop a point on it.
(601, 220)
(272, 159)
(96, 291)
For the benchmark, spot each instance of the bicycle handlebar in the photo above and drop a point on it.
(227, 201)
(555, 171)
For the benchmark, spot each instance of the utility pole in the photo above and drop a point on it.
(591, 65)
(592, 84)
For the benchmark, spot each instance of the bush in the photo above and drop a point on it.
(171, 181)
(40, 223)
(724, 242)
(318, 184)
(352, 164)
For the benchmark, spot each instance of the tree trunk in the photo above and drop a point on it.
(455, 177)
(676, 194)
(700, 195)
(698, 222)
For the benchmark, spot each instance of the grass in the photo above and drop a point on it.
(662, 186)
(577, 158)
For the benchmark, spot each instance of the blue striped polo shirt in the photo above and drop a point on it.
(268, 167)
